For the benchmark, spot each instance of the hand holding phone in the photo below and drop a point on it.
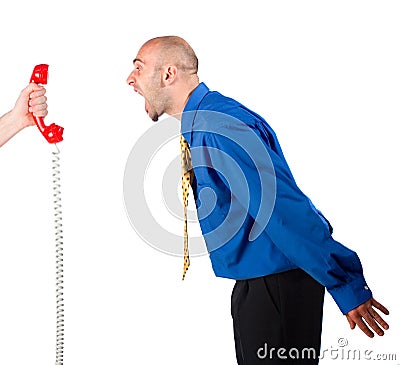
(53, 133)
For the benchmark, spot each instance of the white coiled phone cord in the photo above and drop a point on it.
(59, 257)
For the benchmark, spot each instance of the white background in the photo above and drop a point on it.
(325, 74)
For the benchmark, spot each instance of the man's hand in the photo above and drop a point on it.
(31, 100)
(366, 313)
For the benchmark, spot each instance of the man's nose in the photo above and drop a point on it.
(131, 80)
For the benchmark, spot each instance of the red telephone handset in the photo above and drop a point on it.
(52, 133)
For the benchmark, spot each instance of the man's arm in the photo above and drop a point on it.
(297, 230)
(31, 100)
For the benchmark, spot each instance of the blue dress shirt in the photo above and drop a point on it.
(254, 218)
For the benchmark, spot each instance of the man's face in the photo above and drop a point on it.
(146, 79)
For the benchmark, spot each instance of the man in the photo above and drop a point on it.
(31, 100)
(282, 264)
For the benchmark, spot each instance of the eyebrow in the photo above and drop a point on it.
(137, 60)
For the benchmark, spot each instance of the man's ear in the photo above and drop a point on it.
(170, 74)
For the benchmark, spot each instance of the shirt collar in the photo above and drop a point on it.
(190, 110)
(196, 97)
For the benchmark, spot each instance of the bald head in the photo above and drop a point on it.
(173, 50)
(165, 74)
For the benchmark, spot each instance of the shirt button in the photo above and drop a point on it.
(366, 287)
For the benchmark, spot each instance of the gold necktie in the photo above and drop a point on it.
(187, 178)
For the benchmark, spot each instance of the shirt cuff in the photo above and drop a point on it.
(351, 295)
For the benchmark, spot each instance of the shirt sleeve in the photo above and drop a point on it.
(293, 225)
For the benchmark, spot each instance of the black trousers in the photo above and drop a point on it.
(277, 319)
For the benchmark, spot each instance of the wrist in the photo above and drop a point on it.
(9, 126)
(19, 121)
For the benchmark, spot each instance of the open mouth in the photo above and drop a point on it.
(146, 104)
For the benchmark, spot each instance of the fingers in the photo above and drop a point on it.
(358, 319)
(39, 110)
(351, 322)
(31, 88)
(37, 101)
(372, 322)
(366, 318)
(378, 305)
(376, 316)
(36, 93)
(379, 319)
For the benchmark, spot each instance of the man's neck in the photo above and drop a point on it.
(182, 101)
